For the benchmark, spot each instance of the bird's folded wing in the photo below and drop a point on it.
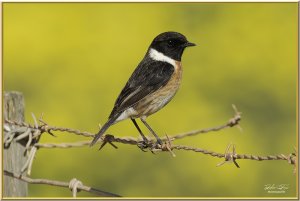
(148, 77)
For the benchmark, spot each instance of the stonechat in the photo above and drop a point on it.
(152, 85)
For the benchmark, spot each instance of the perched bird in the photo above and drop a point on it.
(152, 84)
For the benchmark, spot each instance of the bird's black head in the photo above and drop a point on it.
(171, 44)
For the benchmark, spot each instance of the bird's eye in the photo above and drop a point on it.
(171, 43)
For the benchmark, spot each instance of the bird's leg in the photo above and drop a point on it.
(140, 131)
(159, 141)
(145, 142)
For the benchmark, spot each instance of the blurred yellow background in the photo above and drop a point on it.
(71, 60)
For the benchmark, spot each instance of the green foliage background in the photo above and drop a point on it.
(72, 59)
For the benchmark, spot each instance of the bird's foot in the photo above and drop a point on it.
(163, 146)
(156, 146)
(158, 143)
(143, 145)
(153, 147)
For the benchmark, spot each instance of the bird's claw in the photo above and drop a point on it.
(143, 145)
(156, 146)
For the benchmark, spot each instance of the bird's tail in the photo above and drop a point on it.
(103, 129)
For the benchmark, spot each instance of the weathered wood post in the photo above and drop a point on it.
(13, 156)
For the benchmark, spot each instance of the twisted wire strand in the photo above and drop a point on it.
(47, 128)
(33, 133)
(60, 184)
(44, 127)
(291, 158)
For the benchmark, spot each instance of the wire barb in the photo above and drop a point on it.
(108, 139)
(167, 146)
(229, 156)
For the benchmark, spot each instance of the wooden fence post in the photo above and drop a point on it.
(13, 156)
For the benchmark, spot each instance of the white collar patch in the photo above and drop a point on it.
(158, 56)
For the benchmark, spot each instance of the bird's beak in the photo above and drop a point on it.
(188, 44)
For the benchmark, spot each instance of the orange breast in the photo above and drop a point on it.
(157, 100)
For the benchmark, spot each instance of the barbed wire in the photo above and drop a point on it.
(290, 158)
(16, 131)
(34, 131)
(74, 185)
